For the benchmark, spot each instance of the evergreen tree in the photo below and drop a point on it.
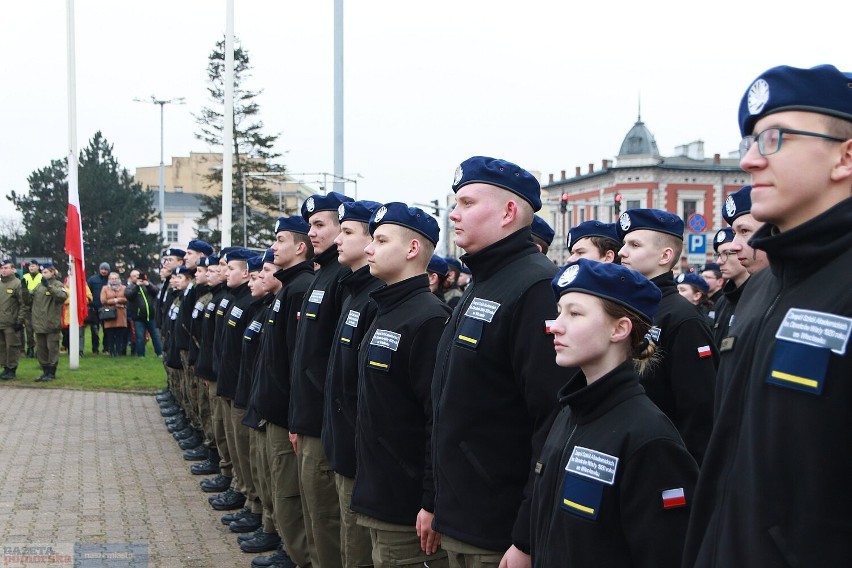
(115, 211)
(253, 153)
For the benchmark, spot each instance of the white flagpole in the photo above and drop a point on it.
(228, 130)
(73, 328)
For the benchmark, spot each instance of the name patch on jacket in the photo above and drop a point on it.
(236, 314)
(211, 307)
(385, 338)
(803, 346)
(483, 310)
(199, 306)
(223, 305)
(382, 345)
(349, 326)
(252, 330)
(314, 301)
(593, 464)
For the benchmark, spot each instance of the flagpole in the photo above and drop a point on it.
(74, 325)
(228, 130)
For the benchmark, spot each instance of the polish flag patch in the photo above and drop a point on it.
(704, 352)
(298, 316)
(548, 324)
(673, 498)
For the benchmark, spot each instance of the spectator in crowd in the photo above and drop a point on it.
(115, 329)
(141, 304)
(66, 319)
(13, 313)
(96, 282)
(47, 299)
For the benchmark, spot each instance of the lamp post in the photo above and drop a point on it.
(162, 103)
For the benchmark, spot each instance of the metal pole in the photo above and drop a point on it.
(245, 209)
(162, 178)
(228, 129)
(73, 182)
(338, 96)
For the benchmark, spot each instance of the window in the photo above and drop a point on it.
(690, 206)
(172, 232)
(632, 204)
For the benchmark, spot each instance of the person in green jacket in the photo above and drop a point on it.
(13, 315)
(47, 300)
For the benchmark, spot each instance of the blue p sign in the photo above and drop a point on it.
(697, 244)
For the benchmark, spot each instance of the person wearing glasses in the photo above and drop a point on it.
(735, 276)
(774, 487)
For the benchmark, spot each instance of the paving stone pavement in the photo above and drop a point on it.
(99, 468)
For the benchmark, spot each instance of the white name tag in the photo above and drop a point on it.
(255, 326)
(817, 329)
(352, 318)
(236, 313)
(224, 303)
(385, 338)
(316, 296)
(276, 306)
(593, 464)
(483, 310)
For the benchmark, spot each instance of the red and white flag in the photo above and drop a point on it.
(704, 352)
(673, 498)
(74, 242)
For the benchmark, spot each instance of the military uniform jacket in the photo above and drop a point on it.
(196, 317)
(171, 350)
(204, 361)
(220, 319)
(341, 380)
(14, 307)
(184, 318)
(775, 486)
(251, 345)
(320, 310)
(725, 307)
(396, 362)
(236, 320)
(47, 300)
(614, 480)
(682, 384)
(494, 394)
(270, 398)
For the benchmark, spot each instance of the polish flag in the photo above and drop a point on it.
(673, 498)
(548, 325)
(704, 352)
(74, 243)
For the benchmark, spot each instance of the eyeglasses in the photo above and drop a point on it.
(769, 141)
(724, 256)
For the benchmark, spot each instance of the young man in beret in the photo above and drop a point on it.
(270, 397)
(737, 213)
(394, 493)
(735, 276)
(341, 379)
(495, 383)
(774, 489)
(437, 270)
(542, 234)
(594, 240)
(319, 314)
(682, 384)
(451, 290)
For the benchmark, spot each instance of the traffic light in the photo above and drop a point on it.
(563, 203)
(617, 200)
(437, 208)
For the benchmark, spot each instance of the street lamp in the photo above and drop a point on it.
(162, 103)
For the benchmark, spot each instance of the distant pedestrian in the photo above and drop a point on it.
(31, 279)
(115, 329)
(66, 319)
(14, 310)
(142, 304)
(96, 282)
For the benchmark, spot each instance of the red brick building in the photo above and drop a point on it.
(684, 184)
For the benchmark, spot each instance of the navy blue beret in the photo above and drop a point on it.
(199, 246)
(255, 263)
(46, 264)
(722, 236)
(293, 224)
(591, 229)
(612, 282)
(542, 230)
(412, 218)
(693, 280)
(209, 260)
(174, 252)
(712, 266)
(651, 220)
(328, 202)
(269, 256)
(438, 265)
(453, 262)
(6, 261)
(237, 253)
(493, 171)
(736, 204)
(185, 270)
(357, 210)
(822, 89)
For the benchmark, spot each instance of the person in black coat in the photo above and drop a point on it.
(614, 480)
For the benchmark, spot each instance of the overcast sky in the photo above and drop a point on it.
(547, 84)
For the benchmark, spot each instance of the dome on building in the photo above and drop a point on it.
(639, 142)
